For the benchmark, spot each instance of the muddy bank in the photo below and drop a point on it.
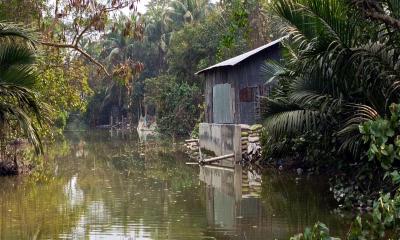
(12, 158)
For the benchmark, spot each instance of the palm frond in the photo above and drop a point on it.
(288, 123)
(11, 31)
(271, 70)
(21, 75)
(331, 16)
(352, 144)
(15, 55)
(18, 102)
(11, 112)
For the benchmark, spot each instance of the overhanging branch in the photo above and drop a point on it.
(80, 50)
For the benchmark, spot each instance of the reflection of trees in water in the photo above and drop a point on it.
(300, 202)
(141, 188)
(73, 192)
(110, 185)
(29, 210)
(110, 188)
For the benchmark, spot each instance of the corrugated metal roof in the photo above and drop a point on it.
(235, 60)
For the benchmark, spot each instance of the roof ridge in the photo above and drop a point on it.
(240, 58)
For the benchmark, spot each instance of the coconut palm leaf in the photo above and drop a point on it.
(180, 12)
(349, 133)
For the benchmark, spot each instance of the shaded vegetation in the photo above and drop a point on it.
(328, 86)
(334, 108)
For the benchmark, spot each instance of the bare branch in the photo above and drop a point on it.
(390, 21)
(94, 16)
(373, 10)
(78, 37)
(80, 50)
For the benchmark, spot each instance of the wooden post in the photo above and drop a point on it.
(237, 144)
(237, 182)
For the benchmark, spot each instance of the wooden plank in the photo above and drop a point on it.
(191, 140)
(192, 163)
(219, 158)
(231, 169)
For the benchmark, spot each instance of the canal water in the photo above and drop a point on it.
(98, 186)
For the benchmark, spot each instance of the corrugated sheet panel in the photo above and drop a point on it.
(222, 103)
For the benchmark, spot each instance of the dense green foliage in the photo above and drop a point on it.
(63, 85)
(329, 59)
(61, 76)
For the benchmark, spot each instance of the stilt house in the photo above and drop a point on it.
(233, 86)
(232, 95)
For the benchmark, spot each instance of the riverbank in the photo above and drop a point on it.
(15, 158)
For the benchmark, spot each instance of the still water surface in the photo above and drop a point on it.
(98, 186)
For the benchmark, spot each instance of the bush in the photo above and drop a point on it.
(310, 150)
(383, 137)
(318, 232)
(177, 104)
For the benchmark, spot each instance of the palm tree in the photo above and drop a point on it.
(182, 12)
(119, 46)
(19, 106)
(341, 69)
(157, 29)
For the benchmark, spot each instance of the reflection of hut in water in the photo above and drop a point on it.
(227, 199)
(236, 209)
(80, 149)
(147, 119)
(233, 206)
